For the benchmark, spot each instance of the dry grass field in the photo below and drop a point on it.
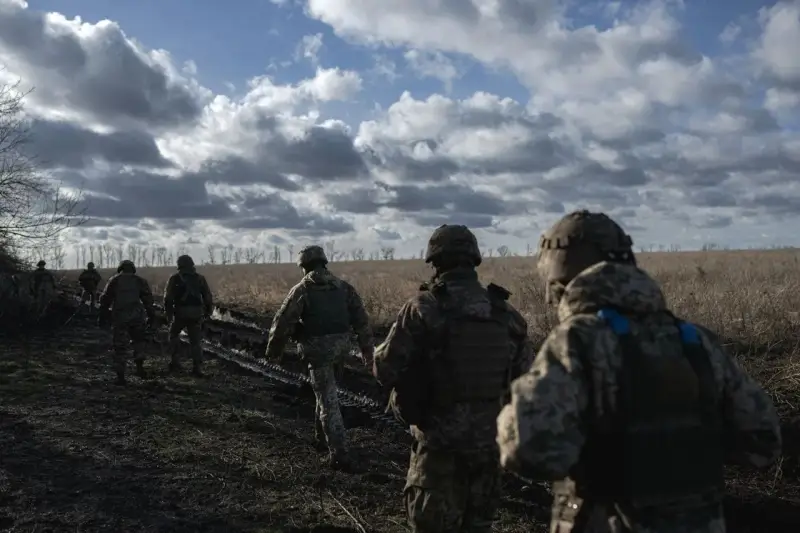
(234, 452)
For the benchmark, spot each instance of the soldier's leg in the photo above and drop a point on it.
(483, 494)
(195, 333)
(120, 340)
(175, 343)
(324, 385)
(138, 331)
(434, 495)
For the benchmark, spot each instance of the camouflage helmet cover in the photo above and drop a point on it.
(185, 261)
(41, 263)
(311, 253)
(453, 239)
(90, 265)
(579, 240)
(126, 263)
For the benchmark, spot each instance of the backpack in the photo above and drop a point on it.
(663, 447)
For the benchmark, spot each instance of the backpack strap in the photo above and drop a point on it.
(618, 323)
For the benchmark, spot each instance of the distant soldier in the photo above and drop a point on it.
(629, 409)
(187, 301)
(44, 288)
(449, 358)
(128, 302)
(320, 312)
(89, 279)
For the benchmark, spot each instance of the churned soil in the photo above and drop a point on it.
(229, 452)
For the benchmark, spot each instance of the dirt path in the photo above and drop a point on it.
(232, 452)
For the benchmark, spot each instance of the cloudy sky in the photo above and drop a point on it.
(371, 122)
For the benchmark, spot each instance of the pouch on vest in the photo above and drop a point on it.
(127, 294)
(189, 291)
(410, 397)
(664, 446)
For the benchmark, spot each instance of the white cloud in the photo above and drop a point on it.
(310, 46)
(433, 65)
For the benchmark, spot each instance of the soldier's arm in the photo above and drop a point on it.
(285, 321)
(146, 294)
(523, 347)
(359, 319)
(540, 432)
(110, 290)
(208, 298)
(753, 433)
(406, 338)
(169, 295)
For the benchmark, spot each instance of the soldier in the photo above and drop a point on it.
(44, 288)
(130, 301)
(630, 410)
(319, 312)
(187, 301)
(89, 279)
(449, 358)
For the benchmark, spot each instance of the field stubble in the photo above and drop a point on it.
(749, 298)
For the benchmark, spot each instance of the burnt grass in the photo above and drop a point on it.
(231, 452)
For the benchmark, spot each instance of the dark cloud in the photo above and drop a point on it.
(715, 222)
(387, 235)
(271, 211)
(99, 72)
(61, 144)
(434, 220)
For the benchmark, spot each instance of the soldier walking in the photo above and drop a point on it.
(44, 288)
(319, 312)
(128, 302)
(449, 359)
(187, 301)
(89, 279)
(629, 410)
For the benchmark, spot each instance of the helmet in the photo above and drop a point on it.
(126, 264)
(310, 254)
(453, 239)
(185, 261)
(90, 265)
(579, 240)
(41, 264)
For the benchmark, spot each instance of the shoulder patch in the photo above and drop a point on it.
(689, 333)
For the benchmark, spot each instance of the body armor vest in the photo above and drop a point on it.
(127, 293)
(188, 290)
(663, 448)
(327, 312)
(475, 358)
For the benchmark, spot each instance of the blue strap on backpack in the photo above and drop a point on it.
(621, 326)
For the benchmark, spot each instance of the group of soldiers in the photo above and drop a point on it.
(630, 412)
(126, 304)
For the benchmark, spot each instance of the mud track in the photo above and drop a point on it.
(231, 453)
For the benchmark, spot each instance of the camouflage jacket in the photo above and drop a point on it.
(43, 279)
(171, 291)
(291, 312)
(129, 297)
(467, 427)
(543, 430)
(90, 278)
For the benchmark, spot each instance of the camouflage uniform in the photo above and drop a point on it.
(319, 312)
(449, 385)
(187, 300)
(131, 303)
(89, 279)
(44, 288)
(631, 411)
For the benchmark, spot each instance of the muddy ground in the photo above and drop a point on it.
(230, 452)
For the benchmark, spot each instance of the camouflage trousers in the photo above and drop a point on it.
(126, 335)
(325, 357)
(449, 491)
(89, 293)
(44, 295)
(194, 330)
